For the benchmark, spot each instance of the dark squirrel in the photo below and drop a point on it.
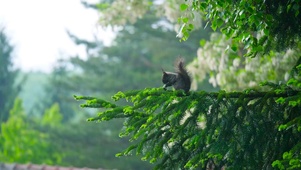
(180, 79)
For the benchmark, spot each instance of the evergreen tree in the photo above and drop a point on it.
(9, 89)
(233, 130)
(57, 91)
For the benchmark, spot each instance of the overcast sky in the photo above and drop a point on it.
(37, 29)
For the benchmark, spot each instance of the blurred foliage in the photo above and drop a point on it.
(58, 91)
(47, 140)
(9, 88)
(33, 86)
(94, 146)
(52, 117)
(21, 143)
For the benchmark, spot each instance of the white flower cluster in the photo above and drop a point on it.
(121, 12)
(230, 71)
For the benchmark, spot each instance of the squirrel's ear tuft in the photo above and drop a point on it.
(163, 71)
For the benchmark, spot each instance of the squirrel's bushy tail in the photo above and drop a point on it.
(185, 80)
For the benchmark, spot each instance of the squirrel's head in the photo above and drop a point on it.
(168, 78)
(164, 76)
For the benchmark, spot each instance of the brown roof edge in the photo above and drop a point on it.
(15, 166)
(7, 166)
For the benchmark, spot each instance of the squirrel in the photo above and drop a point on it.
(180, 79)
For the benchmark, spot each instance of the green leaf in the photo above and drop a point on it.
(280, 100)
(202, 42)
(203, 6)
(185, 19)
(219, 22)
(292, 81)
(191, 26)
(277, 164)
(282, 127)
(183, 7)
(102, 6)
(288, 7)
(287, 155)
(214, 25)
(294, 103)
(234, 48)
(294, 162)
(266, 31)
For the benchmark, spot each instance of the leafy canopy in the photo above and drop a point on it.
(261, 25)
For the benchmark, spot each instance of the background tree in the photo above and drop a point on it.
(56, 92)
(21, 142)
(9, 88)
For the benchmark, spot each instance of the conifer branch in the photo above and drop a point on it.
(200, 128)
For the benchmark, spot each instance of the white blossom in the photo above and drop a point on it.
(240, 72)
